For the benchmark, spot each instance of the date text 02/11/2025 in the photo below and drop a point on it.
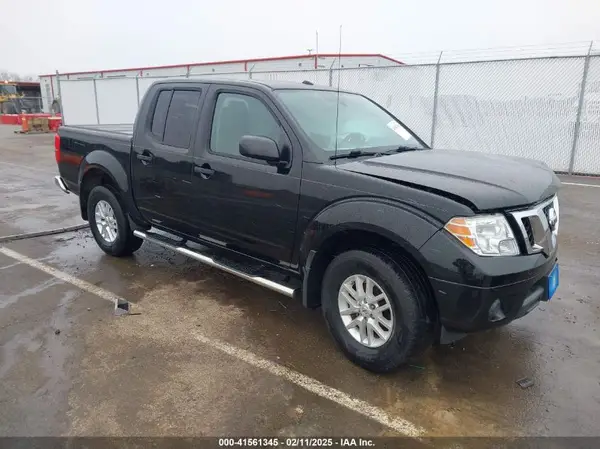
(296, 442)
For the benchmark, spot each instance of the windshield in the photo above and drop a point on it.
(362, 124)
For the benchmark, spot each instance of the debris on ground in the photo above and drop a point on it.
(56, 331)
(121, 307)
(525, 382)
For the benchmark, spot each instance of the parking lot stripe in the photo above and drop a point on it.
(83, 285)
(377, 414)
(580, 184)
(370, 411)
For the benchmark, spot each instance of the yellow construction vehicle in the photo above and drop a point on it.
(19, 96)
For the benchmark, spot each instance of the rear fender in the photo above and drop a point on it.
(111, 168)
(106, 162)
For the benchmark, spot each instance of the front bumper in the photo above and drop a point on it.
(474, 293)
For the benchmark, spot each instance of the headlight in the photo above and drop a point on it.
(486, 235)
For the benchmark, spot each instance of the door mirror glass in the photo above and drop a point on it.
(258, 147)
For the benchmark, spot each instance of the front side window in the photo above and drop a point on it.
(361, 124)
(238, 115)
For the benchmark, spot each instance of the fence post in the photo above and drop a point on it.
(435, 100)
(586, 67)
(96, 102)
(60, 99)
(137, 89)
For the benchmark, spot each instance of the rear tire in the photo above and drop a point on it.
(409, 332)
(109, 224)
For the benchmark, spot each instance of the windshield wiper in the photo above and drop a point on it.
(401, 149)
(355, 153)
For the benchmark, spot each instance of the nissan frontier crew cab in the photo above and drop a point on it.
(324, 196)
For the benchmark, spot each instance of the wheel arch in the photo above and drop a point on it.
(96, 175)
(398, 231)
(102, 168)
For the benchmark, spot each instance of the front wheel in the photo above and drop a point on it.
(374, 310)
(109, 224)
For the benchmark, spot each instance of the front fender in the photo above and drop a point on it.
(400, 223)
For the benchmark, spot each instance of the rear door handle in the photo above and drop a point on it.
(145, 157)
(204, 170)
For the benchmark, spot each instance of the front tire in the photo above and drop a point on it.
(375, 312)
(109, 224)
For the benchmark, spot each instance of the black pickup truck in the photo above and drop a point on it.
(323, 195)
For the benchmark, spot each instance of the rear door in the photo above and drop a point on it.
(162, 159)
(245, 203)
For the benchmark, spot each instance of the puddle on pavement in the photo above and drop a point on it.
(466, 389)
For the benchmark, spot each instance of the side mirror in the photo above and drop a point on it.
(258, 147)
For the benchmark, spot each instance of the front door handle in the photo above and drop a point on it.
(204, 170)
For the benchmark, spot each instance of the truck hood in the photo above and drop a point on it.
(485, 181)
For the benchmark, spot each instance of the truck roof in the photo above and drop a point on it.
(263, 84)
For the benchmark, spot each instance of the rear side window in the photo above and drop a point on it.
(180, 118)
(160, 114)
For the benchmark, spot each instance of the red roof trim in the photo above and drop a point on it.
(237, 61)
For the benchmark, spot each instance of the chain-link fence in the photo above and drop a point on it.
(540, 108)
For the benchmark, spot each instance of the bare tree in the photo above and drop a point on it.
(14, 76)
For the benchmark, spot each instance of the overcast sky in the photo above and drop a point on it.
(42, 36)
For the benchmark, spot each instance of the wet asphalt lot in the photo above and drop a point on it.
(68, 366)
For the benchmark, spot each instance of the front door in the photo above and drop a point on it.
(162, 158)
(240, 202)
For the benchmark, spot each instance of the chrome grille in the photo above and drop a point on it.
(539, 226)
(528, 230)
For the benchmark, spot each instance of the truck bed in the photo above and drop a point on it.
(114, 141)
(125, 129)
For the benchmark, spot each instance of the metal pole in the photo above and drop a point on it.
(96, 101)
(60, 98)
(586, 67)
(137, 89)
(317, 51)
(331, 73)
(435, 100)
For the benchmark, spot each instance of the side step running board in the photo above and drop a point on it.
(186, 251)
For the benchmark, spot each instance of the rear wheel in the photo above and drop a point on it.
(109, 224)
(375, 312)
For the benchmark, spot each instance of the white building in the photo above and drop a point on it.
(49, 85)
